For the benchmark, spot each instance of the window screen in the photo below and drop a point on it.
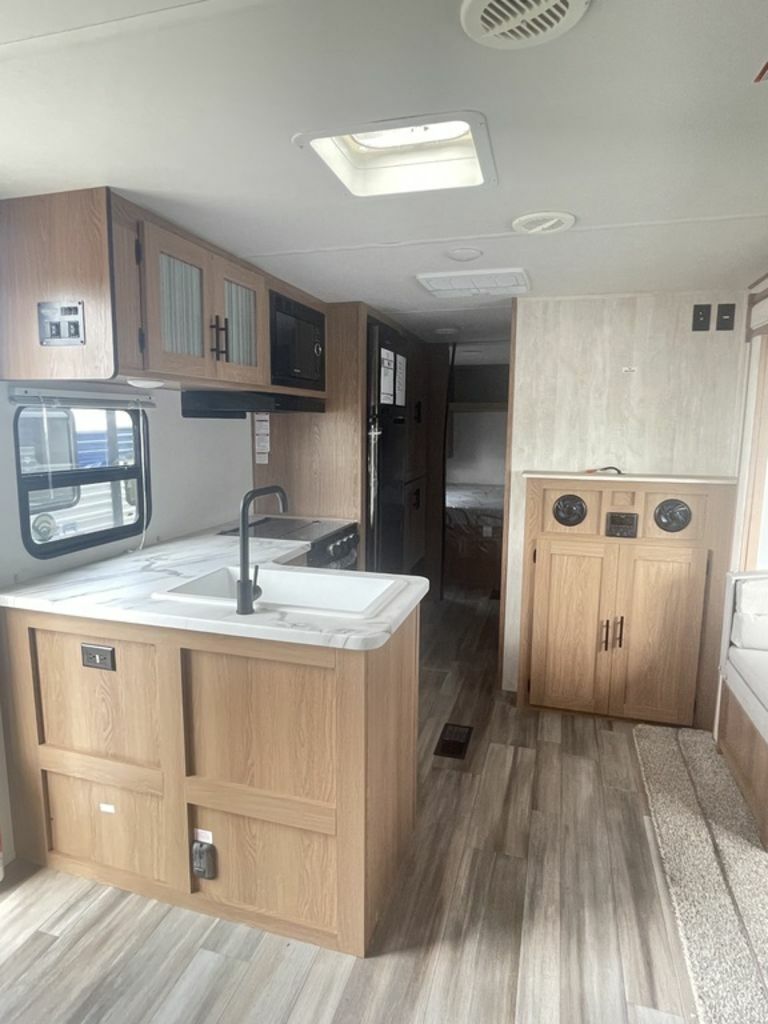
(83, 476)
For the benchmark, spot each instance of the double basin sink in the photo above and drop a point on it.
(292, 589)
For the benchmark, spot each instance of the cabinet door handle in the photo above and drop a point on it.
(606, 633)
(619, 632)
(216, 330)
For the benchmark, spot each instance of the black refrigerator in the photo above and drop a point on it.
(387, 448)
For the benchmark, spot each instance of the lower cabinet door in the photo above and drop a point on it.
(574, 600)
(656, 632)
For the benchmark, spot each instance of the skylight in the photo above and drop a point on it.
(417, 154)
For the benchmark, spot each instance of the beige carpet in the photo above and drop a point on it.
(717, 872)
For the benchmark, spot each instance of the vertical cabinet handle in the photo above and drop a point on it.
(619, 632)
(606, 633)
(216, 330)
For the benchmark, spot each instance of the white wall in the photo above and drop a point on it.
(199, 471)
(479, 448)
(619, 380)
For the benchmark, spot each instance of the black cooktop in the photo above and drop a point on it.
(293, 528)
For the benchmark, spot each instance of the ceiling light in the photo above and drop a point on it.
(465, 284)
(464, 254)
(545, 223)
(412, 154)
(445, 331)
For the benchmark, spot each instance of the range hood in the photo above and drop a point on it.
(232, 405)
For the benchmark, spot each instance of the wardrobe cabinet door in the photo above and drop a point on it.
(656, 632)
(573, 605)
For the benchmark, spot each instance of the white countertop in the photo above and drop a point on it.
(638, 478)
(121, 590)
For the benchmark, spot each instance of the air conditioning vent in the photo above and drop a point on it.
(549, 223)
(467, 284)
(514, 24)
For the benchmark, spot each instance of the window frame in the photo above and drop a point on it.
(26, 483)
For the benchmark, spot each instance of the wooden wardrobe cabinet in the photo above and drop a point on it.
(617, 629)
(625, 625)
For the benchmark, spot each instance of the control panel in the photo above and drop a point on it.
(61, 323)
(621, 524)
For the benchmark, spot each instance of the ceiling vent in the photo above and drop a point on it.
(547, 223)
(469, 284)
(515, 24)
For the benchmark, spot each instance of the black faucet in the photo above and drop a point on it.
(249, 591)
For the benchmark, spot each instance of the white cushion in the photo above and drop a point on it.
(752, 596)
(750, 631)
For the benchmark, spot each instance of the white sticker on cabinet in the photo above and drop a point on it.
(107, 808)
(387, 388)
(202, 835)
(261, 458)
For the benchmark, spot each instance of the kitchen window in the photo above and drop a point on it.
(82, 475)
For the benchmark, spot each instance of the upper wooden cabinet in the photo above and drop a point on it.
(178, 304)
(56, 290)
(206, 316)
(93, 288)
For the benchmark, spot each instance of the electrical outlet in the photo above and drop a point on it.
(98, 656)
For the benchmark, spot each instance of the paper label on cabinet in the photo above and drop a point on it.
(107, 808)
(202, 835)
(261, 423)
(261, 442)
(400, 381)
(261, 458)
(387, 389)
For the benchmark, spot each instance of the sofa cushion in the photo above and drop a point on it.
(750, 631)
(746, 673)
(752, 596)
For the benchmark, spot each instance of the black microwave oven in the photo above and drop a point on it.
(297, 344)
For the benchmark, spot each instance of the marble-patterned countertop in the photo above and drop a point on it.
(121, 590)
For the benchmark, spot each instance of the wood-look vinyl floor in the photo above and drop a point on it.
(532, 893)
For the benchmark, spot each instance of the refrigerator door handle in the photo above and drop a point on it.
(374, 433)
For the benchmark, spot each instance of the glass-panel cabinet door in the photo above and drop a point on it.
(180, 335)
(241, 316)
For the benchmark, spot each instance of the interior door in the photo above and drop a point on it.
(240, 323)
(177, 290)
(656, 632)
(574, 598)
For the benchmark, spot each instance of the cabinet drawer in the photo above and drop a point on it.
(106, 825)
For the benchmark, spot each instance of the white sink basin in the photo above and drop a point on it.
(346, 594)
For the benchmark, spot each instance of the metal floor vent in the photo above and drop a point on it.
(514, 24)
(454, 740)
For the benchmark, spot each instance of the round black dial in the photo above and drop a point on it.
(672, 515)
(570, 510)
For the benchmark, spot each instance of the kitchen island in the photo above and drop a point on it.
(141, 714)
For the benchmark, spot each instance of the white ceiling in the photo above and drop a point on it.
(643, 121)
